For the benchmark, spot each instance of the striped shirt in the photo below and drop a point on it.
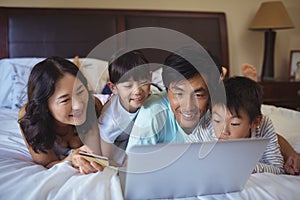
(271, 161)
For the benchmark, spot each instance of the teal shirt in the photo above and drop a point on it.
(156, 123)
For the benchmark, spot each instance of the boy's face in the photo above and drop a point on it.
(132, 93)
(229, 125)
(189, 101)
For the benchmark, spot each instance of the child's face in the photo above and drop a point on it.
(228, 125)
(133, 93)
(188, 100)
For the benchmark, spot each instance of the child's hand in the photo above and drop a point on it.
(292, 164)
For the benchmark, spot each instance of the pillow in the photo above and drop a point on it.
(157, 79)
(13, 80)
(15, 73)
(5, 83)
(96, 72)
(21, 71)
(19, 86)
(286, 123)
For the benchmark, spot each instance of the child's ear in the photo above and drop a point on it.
(256, 122)
(112, 87)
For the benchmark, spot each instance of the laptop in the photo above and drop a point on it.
(190, 169)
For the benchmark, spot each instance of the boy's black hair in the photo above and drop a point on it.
(243, 93)
(132, 64)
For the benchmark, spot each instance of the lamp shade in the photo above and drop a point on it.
(271, 15)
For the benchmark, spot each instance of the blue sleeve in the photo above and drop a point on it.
(148, 126)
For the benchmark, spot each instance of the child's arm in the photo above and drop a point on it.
(262, 167)
(291, 157)
(272, 159)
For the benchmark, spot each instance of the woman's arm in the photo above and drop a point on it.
(49, 158)
(107, 151)
(92, 137)
(291, 157)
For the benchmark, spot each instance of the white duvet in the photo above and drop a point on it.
(20, 178)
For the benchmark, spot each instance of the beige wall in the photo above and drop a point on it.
(244, 45)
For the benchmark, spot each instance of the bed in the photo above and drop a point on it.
(28, 35)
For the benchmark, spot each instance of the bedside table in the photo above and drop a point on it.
(282, 93)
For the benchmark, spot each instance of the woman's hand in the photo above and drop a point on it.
(84, 166)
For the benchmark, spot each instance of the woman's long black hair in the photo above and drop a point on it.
(38, 124)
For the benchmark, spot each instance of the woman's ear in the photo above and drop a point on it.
(112, 87)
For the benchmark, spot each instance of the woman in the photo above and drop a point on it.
(60, 108)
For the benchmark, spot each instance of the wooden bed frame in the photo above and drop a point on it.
(41, 32)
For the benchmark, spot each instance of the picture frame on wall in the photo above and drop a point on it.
(294, 65)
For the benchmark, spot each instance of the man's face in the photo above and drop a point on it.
(189, 101)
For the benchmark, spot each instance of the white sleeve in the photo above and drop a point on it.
(272, 155)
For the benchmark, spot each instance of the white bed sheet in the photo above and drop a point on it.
(20, 178)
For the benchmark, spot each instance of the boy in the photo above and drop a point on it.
(239, 116)
(130, 80)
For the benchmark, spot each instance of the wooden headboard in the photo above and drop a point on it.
(42, 32)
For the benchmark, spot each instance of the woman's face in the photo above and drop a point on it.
(68, 104)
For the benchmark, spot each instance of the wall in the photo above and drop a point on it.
(244, 45)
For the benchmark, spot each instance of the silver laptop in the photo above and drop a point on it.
(188, 170)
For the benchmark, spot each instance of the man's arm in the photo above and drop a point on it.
(290, 156)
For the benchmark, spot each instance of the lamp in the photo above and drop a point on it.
(271, 15)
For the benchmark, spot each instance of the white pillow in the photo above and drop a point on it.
(286, 122)
(15, 73)
(22, 68)
(13, 81)
(5, 83)
(96, 72)
(157, 79)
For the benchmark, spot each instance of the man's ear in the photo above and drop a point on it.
(112, 87)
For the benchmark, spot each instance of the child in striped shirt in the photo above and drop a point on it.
(239, 116)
